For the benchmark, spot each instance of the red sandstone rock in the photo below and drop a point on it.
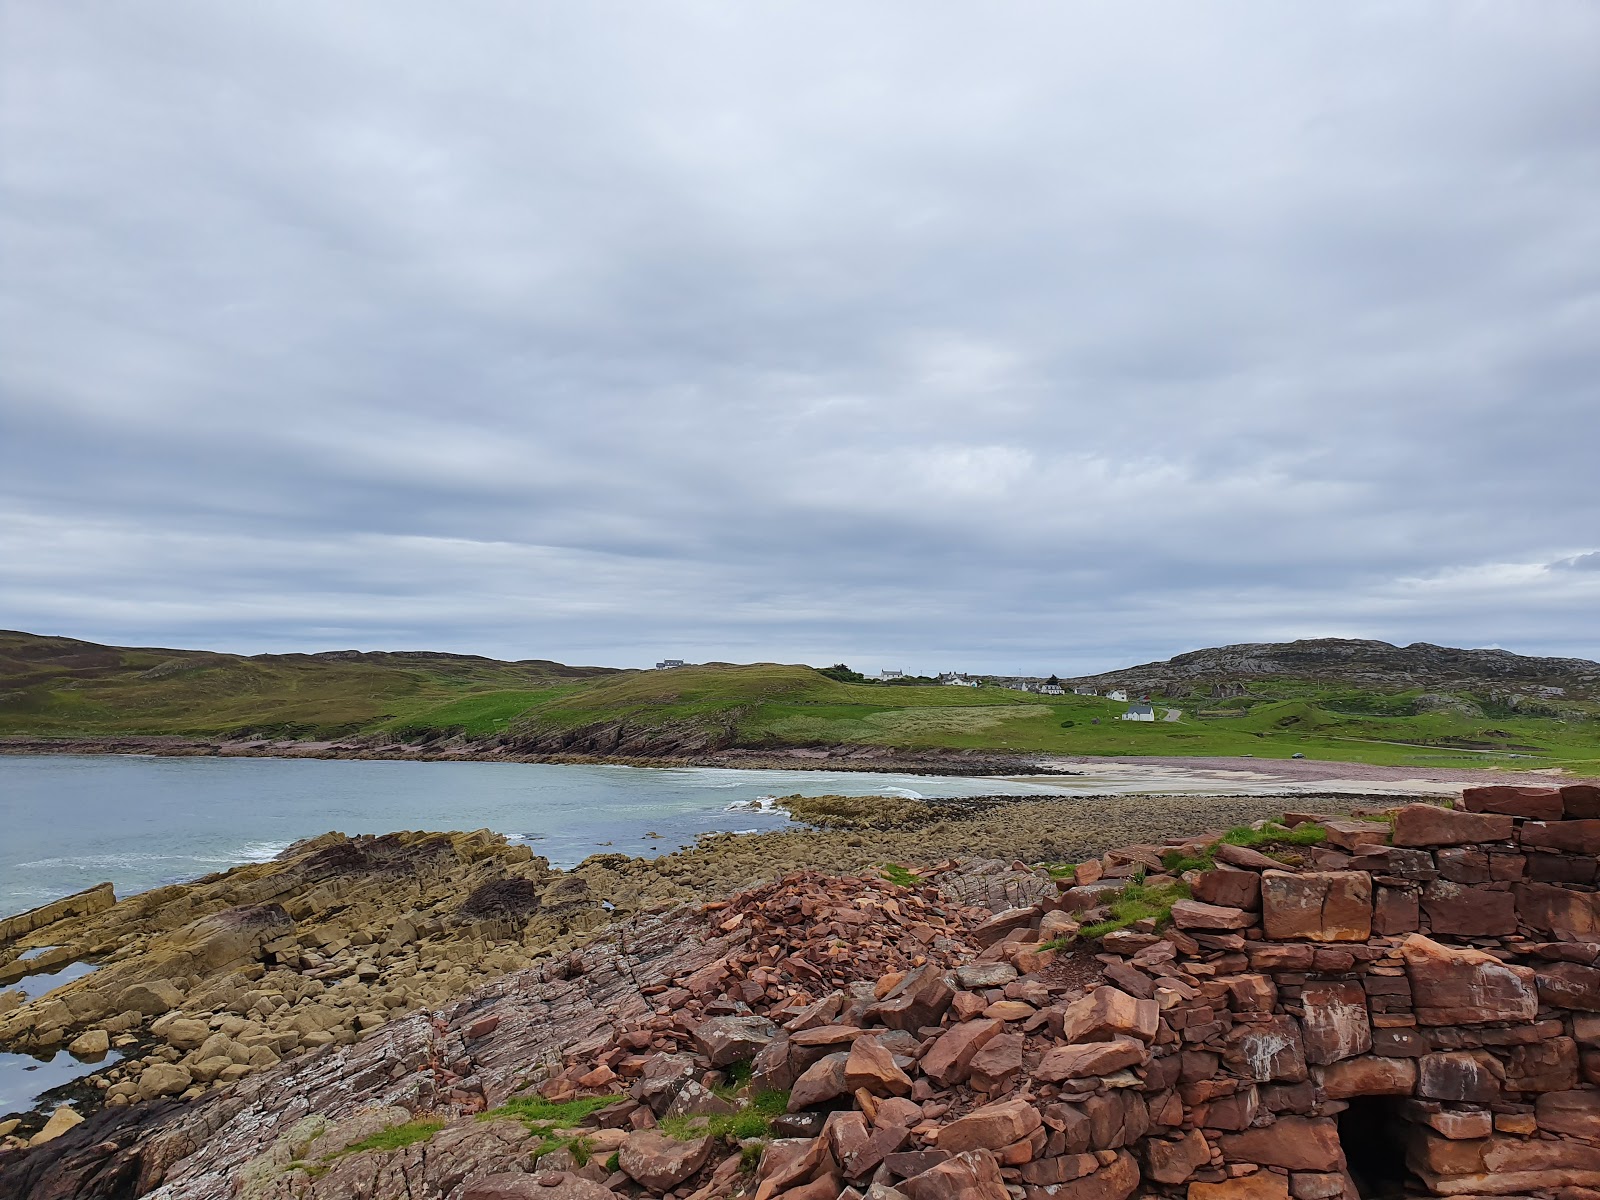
(518, 1185)
(727, 1040)
(1562, 912)
(1229, 887)
(1114, 1181)
(1369, 1076)
(1580, 801)
(1429, 825)
(1244, 857)
(991, 1127)
(1463, 911)
(1090, 1058)
(1192, 914)
(870, 1065)
(1174, 1161)
(916, 1001)
(822, 1081)
(1266, 1050)
(661, 1163)
(973, 1175)
(1540, 803)
(1347, 835)
(950, 1057)
(1550, 1066)
(1576, 1114)
(1107, 1013)
(1263, 1185)
(1324, 906)
(1335, 1024)
(1297, 1143)
(997, 1064)
(1570, 985)
(1451, 986)
(1575, 837)
(1460, 1075)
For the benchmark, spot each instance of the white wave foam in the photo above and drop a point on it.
(761, 804)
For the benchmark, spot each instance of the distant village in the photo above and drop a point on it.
(1139, 709)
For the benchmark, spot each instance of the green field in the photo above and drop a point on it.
(63, 688)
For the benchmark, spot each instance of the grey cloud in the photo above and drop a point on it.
(1052, 336)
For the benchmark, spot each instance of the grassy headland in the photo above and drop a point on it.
(56, 687)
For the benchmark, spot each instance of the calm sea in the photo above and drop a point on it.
(68, 822)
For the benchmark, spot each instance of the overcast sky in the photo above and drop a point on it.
(1003, 336)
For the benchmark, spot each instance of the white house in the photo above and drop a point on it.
(1139, 712)
(888, 674)
(1052, 689)
(666, 664)
(958, 681)
(1083, 689)
(1117, 694)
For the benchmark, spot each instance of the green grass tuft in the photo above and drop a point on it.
(394, 1138)
(895, 873)
(1136, 902)
(754, 1120)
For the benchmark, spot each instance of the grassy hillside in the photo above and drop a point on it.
(56, 686)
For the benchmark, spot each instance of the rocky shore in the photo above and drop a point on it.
(443, 1015)
(660, 753)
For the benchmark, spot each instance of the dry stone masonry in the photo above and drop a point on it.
(1409, 1007)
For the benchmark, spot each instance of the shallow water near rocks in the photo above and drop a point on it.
(72, 821)
(24, 1079)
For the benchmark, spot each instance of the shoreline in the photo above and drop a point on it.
(1291, 773)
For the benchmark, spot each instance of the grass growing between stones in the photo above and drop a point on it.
(1268, 838)
(396, 1137)
(1137, 902)
(903, 876)
(544, 1119)
(754, 1120)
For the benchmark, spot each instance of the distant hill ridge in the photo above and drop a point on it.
(1358, 663)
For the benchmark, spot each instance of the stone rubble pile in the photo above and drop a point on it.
(1407, 1008)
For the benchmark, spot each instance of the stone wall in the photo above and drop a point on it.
(1441, 975)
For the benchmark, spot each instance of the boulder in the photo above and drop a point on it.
(728, 1040)
(1263, 1185)
(1462, 986)
(1569, 985)
(870, 1065)
(1107, 1013)
(90, 1044)
(971, 1175)
(1574, 1114)
(1266, 1050)
(1174, 1161)
(1369, 1076)
(1574, 837)
(1193, 914)
(1229, 887)
(163, 1079)
(1430, 825)
(992, 1127)
(821, 1082)
(1579, 801)
(1322, 906)
(63, 1119)
(997, 1064)
(1091, 1058)
(659, 1162)
(1347, 835)
(150, 997)
(1335, 1023)
(950, 1057)
(1296, 1143)
(918, 1000)
(1539, 803)
(547, 1185)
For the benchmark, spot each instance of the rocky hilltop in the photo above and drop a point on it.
(1353, 663)
(1311, 1008)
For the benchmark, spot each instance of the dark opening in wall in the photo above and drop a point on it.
(1373, 1134)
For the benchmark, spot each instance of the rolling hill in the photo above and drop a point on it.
(1343, 701)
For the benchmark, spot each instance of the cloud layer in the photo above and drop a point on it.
(1041, 337)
